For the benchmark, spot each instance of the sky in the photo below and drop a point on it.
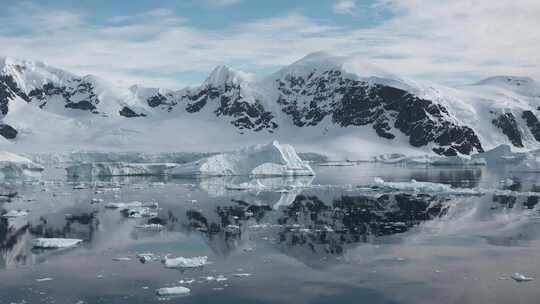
(174, 43)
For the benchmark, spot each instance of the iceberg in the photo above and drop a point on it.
(181, 262)
(16, 166)
(273, 159)
(118, 169)
(501, 154)
(173, 291)
(53, 243)
(413, 185)
(519, 277)
(528, 165)
(15, 213)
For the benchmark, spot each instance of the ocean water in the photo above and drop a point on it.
(327, 239)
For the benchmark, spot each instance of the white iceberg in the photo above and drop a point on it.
(271, 159)
(173, 291)
(15, 213)
(16, 166)
(501, 154)
(53, 243)
(118, 169)
(134, 204)
(181, 262)
(528, 165)
(519, 277)
(430, 160)
(413, 185)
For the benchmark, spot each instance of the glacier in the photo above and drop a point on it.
(16, 166)
(117, 169)
(273, 159)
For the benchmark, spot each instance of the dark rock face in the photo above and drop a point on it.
(508, 125)
(127, 112)
(532, 123)
(244, 115)
(78, 94)
(166, 102)
(8, 131)
(8, 91)
(357, 103)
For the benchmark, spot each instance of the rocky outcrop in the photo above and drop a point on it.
(508, 125)
(8, 131)
(129, 113)
(532, 123)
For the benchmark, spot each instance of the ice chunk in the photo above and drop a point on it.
(16, 166)
(147, 257)
(133, 204)
(173, 291)
(271, 159)
(413, 185)
(181, 262)
(528, 165)
(501, 155)
(519, 277)
(138, 212)
(52, 243)
(15, 213)
(122, 259)
(118, 169)
(44, 280)
(150, 227)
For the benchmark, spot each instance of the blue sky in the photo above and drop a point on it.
(177, 43)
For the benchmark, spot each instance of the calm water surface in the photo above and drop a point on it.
(323, 241)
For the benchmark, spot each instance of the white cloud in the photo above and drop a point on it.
(345, 7)
(457, 41)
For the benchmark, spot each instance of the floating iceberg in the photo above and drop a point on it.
(501, 154)
(271, 159)
(173, 291)
(182, 262)
(413, 185)
(16, 166)
(52, 243)
(518, 277)
(134, 204)
(118, 169)
(528, 165)
(15, 213)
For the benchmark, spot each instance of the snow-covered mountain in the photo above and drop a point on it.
(337, 105)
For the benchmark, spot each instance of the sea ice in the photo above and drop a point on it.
(519, 277)
(272, 159)
(51, 243)
(173, 291)
(181, 262)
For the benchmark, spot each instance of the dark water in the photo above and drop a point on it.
(309, 244)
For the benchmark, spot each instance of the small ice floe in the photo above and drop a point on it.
(96, 201)
(241, 275)
(147, 257)
(121, 259)
(135, 204)
(53, 243)
(519, 277)
(221, 278)
(416, 186)
(139, 212)
(187, 281)
(44, 279)
(181, 262)
(150, 227)
(100, 276)
(15, 213)
(173, 291)
(80, 187)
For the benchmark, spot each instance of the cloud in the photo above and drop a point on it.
(345, 7)
(458, 42)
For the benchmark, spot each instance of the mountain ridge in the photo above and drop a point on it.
(320, 98)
